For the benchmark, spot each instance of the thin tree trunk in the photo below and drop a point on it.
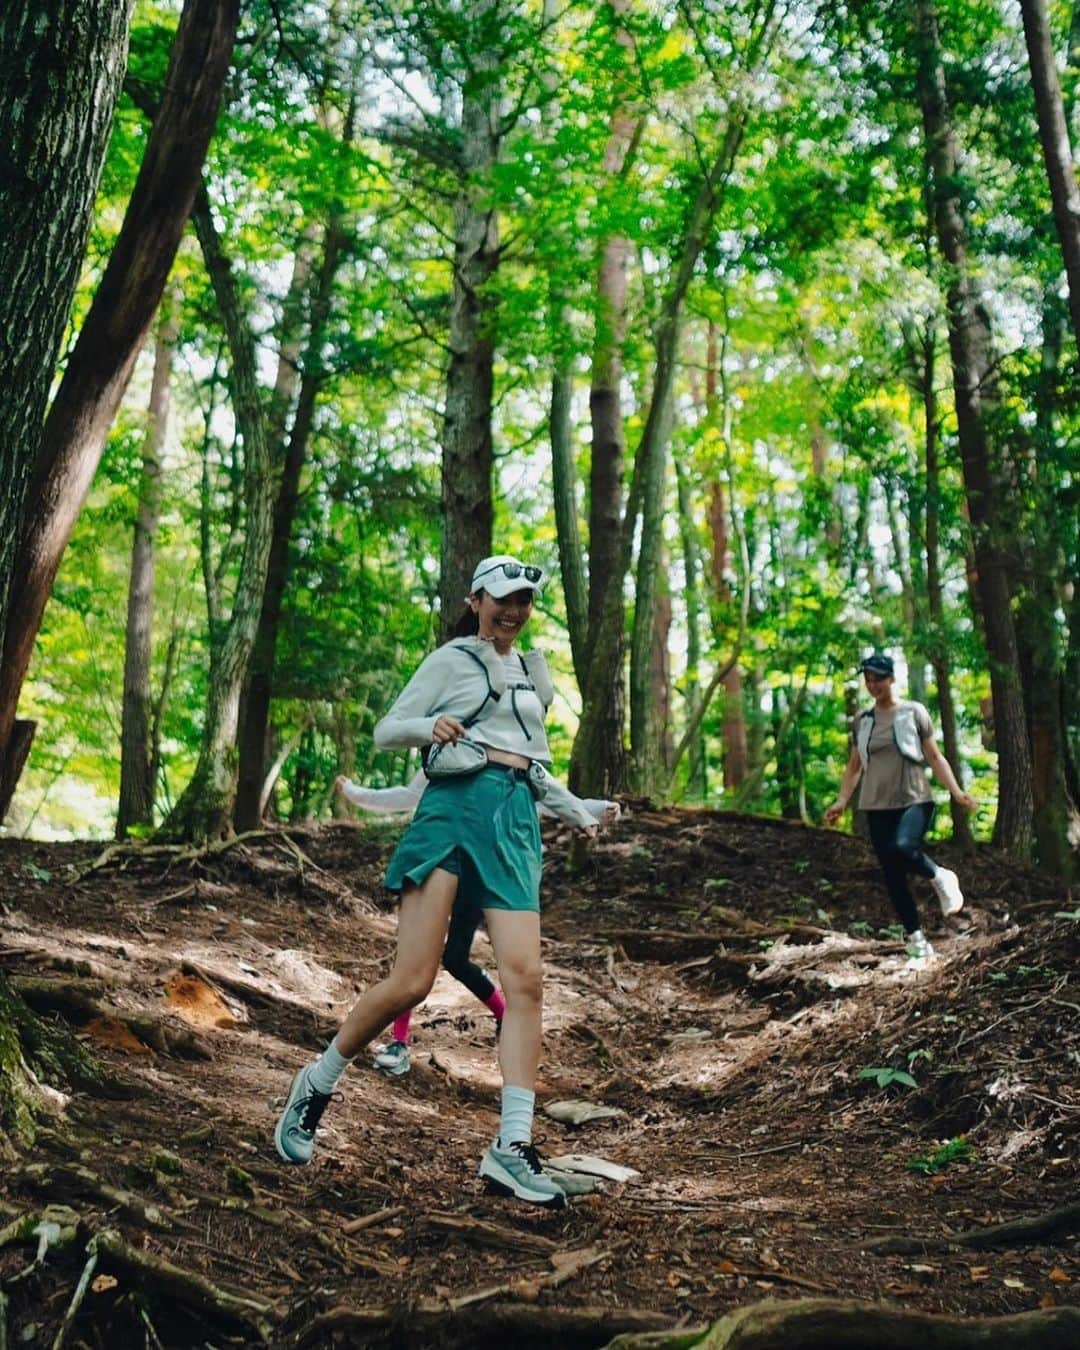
(115, 329)
(204, 810)
(136, 803)
(467, 452)
(564, 481)
(937, 643)
(969, 343)
(62, 63)
(697, 779)
(250, 797)
(722, 524)
(1056, 147)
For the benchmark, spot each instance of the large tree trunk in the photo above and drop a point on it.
(1041, 647)
(467, 458)
(564, 483)
(204, 810)
(697, 778)
(62, 63)
(136, 804)
(256, 705)
(970, 348)
(115, 329)
(1056, 147)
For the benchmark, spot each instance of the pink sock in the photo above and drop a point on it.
(497, 1004)
(399, 1031)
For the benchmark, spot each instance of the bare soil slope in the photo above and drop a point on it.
(723, 981)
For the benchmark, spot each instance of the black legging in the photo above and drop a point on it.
(464, 922)
(897, 838)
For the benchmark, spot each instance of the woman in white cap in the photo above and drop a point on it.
(894, 742)
(477, 706)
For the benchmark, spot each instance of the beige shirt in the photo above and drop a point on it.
(891, 782)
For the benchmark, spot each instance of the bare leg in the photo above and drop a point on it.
(515, 936)
(422, 919)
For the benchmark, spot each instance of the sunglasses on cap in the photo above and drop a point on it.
(512, 571)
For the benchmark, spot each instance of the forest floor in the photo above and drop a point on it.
(720, 981)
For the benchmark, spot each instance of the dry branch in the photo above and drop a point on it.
(1014, 1233)
(488, 1234)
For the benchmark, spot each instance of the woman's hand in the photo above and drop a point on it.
(834, 812)
(447, 729)
(966, 800)
(339, 784)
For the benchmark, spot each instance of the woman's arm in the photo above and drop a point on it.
(848, 783)
(382, 800)
(410, 723)
(942, 771)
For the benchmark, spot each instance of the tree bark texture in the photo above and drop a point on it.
(204, 810)
(256, 704)
(62, 63)
(467, 452)
(116, 326)
(136, 804)
(970, 349)
(697, 778)
(1056, 145)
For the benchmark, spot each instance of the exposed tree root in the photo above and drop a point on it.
(1012, 1234)
(82, 999)
(159, 1279)
(66, 1182)
(530, 1325)
(849, 1324)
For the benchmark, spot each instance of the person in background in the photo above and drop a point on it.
(395, 1058)
(477, 703)
(893, 745)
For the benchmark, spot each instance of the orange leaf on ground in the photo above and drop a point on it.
(112, 1032)
(197, 1003)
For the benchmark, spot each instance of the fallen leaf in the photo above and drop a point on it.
(978, 1273)
(1058, 1276)
(1014, 1284)
(1047, 1301)
(726, 1267)
(902, 1290)
(103, 1283)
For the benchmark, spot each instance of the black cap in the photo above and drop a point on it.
(877, 663)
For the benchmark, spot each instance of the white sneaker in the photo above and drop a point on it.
(950, 896)
(918, 946)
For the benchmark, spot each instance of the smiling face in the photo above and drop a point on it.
(502, 620)
(879, 687)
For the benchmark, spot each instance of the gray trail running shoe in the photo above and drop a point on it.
(517, 1171)
(394, 1059)
(294, 1137)
(918, 946)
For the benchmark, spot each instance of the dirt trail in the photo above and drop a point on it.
(723, 981)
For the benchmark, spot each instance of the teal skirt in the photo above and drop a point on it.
(482, 828)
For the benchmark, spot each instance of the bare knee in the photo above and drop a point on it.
(523, 983)
(409, 987)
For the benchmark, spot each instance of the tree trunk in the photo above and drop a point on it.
(1038, 636)
(969, 344)
(62, 63)
(467, 455)
(251, 797)
(136, 804)
(938, 645)
(651, 459)
(697, 786)
(1056, 147)
(115, 329)
(204, 810)
(564, 481)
